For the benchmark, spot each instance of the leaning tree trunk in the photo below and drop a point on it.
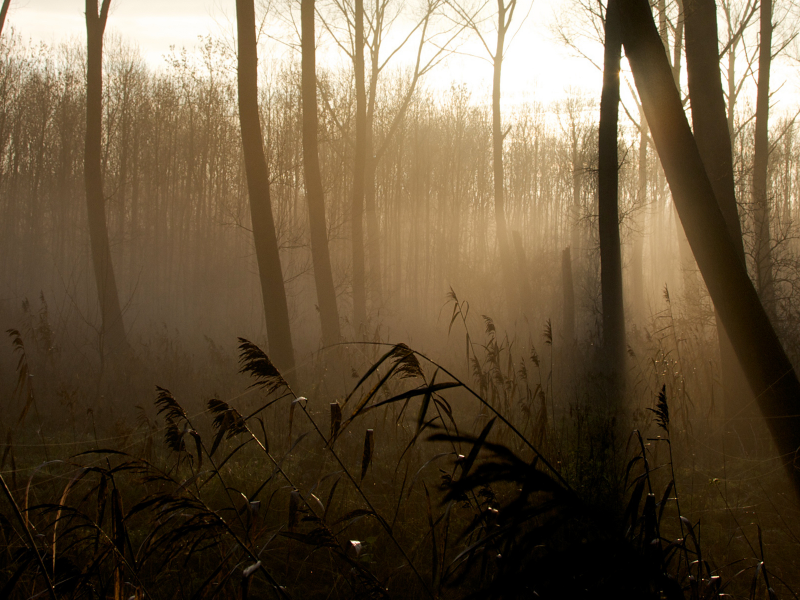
(112, 329)
(273, 292)
(710, 125)
(315, 196)
(771, 375)
(763, 249)
(4, 12)
(608, 188)
(359, 167)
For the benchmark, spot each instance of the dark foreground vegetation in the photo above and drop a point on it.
(575, 420)
(505, 476)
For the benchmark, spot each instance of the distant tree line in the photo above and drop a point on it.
(179, 222)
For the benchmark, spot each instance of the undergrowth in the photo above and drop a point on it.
(500, 480)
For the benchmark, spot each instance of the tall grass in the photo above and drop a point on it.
(414, 481)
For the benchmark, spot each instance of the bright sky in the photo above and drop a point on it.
(534, 66)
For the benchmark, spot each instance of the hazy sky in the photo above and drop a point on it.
(533, 62)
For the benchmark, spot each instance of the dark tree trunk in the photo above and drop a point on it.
(320, 255)
(763, 249)
(766, 365)
(608, 187)
(710, 124)
(359, 167)
(709, 118)
(273, 292)
(4, 12)
(112, 331)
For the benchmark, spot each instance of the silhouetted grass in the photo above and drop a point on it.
(411, 484)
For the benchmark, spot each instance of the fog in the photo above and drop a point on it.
(458, 225)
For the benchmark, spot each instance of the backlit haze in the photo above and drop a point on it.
(535, 65)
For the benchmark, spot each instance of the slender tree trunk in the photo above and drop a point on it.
(357, 208)
(4, 12)
(320, 254)
(710, 124)
(763, 238)
(273, 292)
(608, 188)
(370, 167)
(504, 14)
(760, 353)
(112, 331)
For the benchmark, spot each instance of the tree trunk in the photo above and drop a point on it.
(763, 239)
(608, 187)
(112, 329)
(4, 12)
(276, 311)
(766, 365)
(370, 167)
(710, 124)
(357, 209)
(320, 254)
(504, 14)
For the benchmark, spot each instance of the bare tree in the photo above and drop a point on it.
(763, 237)
(736, 23)
(273, 292)
(768, 369)
(315, 196)
(710, 126)
(608, 191)
(504, 16)
(359, 168)
(112, 330)
(368, 30)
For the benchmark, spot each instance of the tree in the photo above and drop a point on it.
(710, 126)
(608, 191)
(505, 14)
(273, 292)
(112, 329)
(368, 150)
(736, 23)
(380, 25)
(3, 13)
(763, 238)
(359, 167)
(771, 375)
(315, 196)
